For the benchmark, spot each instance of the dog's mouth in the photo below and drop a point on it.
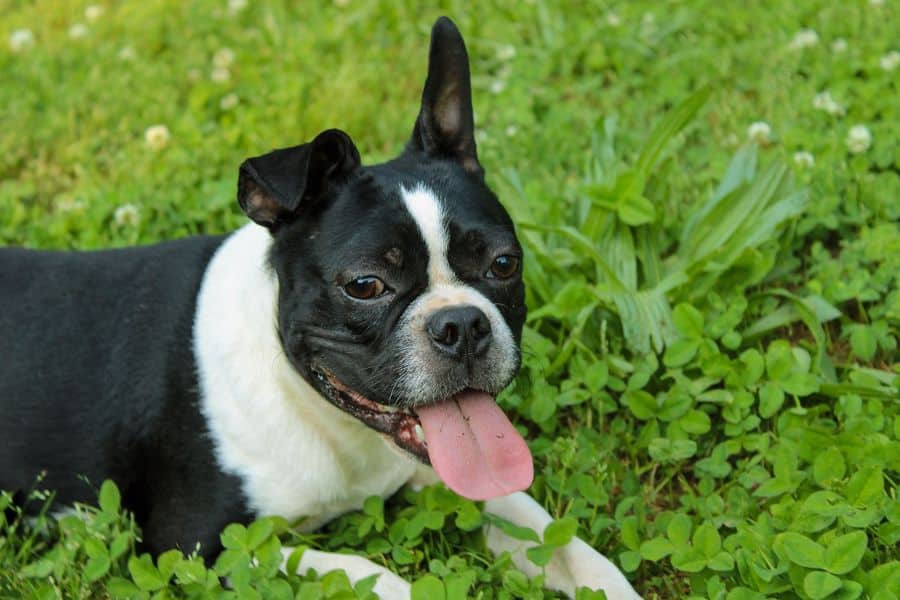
(468, 440)
(402, 426)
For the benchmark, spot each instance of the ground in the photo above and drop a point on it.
(708, 194)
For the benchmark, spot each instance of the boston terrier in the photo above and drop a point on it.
(350, 340)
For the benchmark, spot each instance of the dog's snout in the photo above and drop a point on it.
(460, 331)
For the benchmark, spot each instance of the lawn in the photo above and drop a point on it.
(708, 194)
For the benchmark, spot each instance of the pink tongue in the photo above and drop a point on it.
(474, 448)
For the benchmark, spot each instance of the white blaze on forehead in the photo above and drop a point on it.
(426, 211)
(421, 369)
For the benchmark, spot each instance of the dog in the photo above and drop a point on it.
(349, 340)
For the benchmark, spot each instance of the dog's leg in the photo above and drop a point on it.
(388, 585)
(572, 566)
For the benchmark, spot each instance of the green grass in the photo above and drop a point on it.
(710, 385)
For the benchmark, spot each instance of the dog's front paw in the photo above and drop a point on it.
(574, 565)
(578, 565)
(388, 585)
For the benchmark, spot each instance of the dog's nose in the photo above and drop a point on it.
(460, 331)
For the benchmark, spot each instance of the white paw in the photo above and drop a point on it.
(392, 587)
(573, 566)
(388, 586)
(585, 567)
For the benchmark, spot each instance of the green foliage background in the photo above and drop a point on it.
(710, 382)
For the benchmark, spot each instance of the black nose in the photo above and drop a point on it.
(460, 331)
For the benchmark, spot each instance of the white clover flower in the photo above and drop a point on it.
(92, 12)
(497, 86)
(511, 130)
(613, 20)
(341, 3)
(890, 61)
(127, 53)
(481, 136)
(69, 205)
(760, 132)
(804, 159)
(236, 6)
(229, 102)
(506, 52)
(824, 101)
(648, 24)
(859, 138)
(127, 214)
(223, 58)
(839, 45)
(876, 3)
(157, 136)
(220, 75)
(805, 38)
(78, 31)
(21, 39)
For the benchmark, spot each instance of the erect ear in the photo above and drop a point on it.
(273, 187)
(445, 126)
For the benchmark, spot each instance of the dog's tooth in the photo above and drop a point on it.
(420, 433)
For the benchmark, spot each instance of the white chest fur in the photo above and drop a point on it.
(297, 455)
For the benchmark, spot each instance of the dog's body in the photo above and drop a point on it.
(358, 329)
(98, 378)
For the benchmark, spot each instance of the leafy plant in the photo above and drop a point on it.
(710, 368)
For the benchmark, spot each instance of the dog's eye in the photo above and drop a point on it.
(365, 288)
(504, 267)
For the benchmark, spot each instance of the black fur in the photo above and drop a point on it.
(98, 379)
(350, 234)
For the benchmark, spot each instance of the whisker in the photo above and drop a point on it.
(333, 345)
(323, 333)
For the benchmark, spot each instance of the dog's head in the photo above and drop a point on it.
(400, 284)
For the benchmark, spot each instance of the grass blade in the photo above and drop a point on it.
(673, 123)
(741, 171)
(584, 244)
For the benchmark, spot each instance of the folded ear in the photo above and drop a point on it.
(445, 126)
(272, 188)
